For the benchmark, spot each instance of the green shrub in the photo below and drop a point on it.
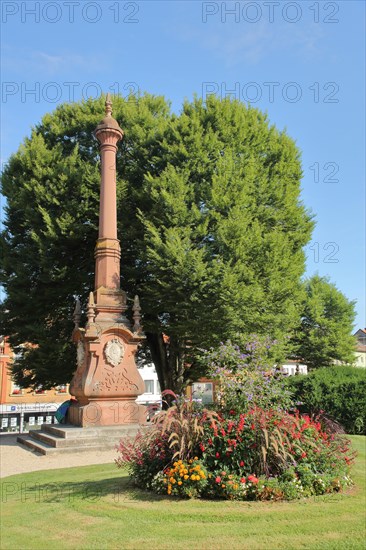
(339, 391)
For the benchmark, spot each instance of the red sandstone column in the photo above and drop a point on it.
(107, 382)
(107, 251)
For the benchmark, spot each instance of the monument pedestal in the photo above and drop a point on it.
(107, 412)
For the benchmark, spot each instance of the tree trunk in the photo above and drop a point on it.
(168, 359)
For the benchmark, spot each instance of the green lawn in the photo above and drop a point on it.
(95, 507)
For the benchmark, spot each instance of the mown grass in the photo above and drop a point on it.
(95, 507)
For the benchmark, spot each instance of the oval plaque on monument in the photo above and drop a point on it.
(114, 351)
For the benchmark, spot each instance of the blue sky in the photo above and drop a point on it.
(302, 62)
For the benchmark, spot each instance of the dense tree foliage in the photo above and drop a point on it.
(325, 333)
(211, 225)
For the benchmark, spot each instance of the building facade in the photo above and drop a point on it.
(23, 409)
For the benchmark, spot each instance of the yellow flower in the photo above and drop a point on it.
(223, 485)
(179, 483)
(196, 458)
(186, 477)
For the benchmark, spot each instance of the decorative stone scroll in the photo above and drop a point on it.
(80, 353)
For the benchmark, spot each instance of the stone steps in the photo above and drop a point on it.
(72, 439)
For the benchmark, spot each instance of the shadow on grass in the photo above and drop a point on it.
(116, 488)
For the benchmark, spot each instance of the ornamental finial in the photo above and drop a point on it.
(136, 315)
(77, 313)
(108, 105)
(91, 309)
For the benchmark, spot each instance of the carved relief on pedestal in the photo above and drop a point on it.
(114, 351)
(115, 381)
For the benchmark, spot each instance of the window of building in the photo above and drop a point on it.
(15, 389)
(149, 386)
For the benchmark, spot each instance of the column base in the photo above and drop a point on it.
(107, 412)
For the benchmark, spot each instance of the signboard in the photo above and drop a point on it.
(4, 422)
(203, 392)
(13, 422)
(32, 420)
(48, 419)
(39, 420)
(44, 408)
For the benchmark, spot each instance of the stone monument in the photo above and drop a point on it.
(107, 382)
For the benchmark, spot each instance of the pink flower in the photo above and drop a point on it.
(217, 455)
(218, 479)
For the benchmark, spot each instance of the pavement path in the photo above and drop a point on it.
(16, 459)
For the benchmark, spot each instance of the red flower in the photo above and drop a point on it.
(243, 480)
(252, 427)
(217, 455)
(202, 447)
(303, 455)
(241, 463)
(232, 412)
(241, 423)
(230, 426)
(253, 479)
(218, 479)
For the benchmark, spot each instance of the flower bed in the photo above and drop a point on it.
(258, 455)
(249, 448)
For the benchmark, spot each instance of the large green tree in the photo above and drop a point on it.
(325, 333)
(211, 225)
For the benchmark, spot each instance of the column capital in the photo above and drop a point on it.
(108, 128)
